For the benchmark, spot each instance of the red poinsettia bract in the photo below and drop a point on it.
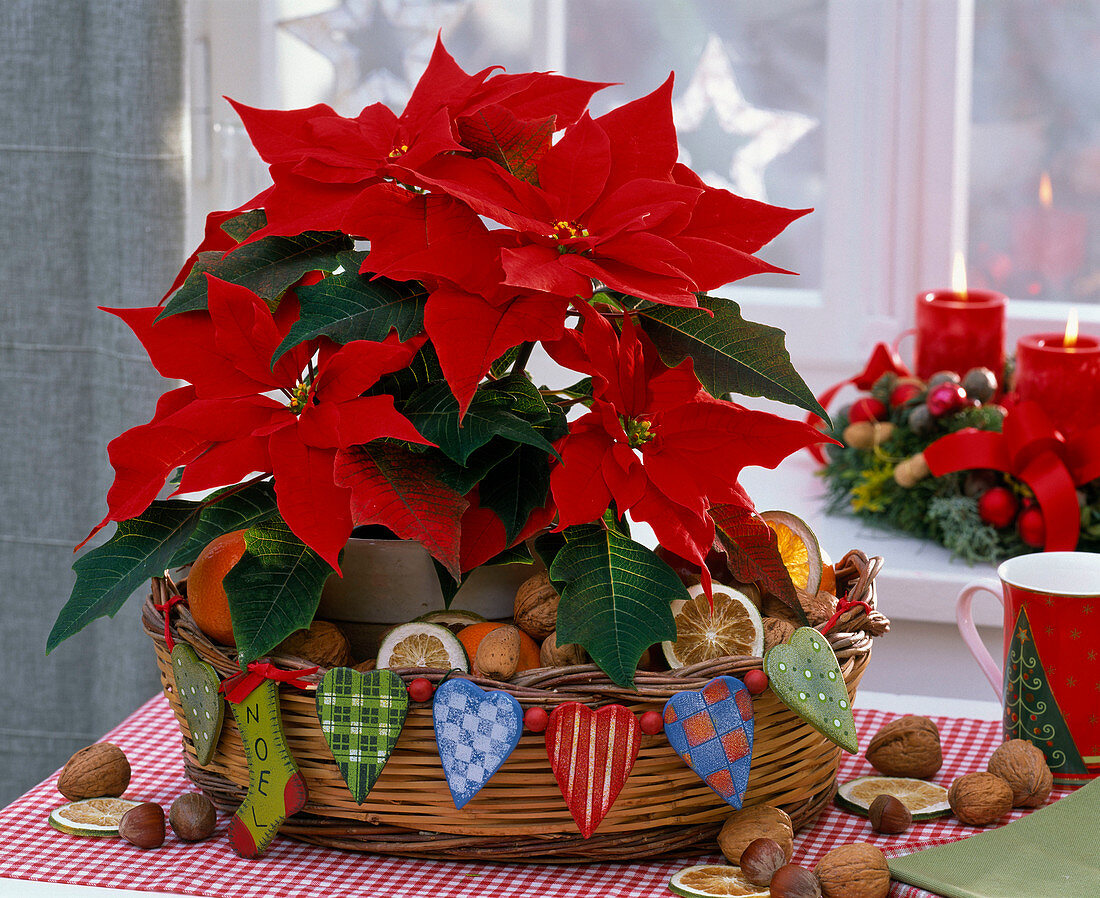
(224, 426)
(655, 442)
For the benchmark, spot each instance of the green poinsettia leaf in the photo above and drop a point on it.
(524, 398)
(108, 575)
(463, 478)
(731, 355)
(421, 372)
(434, 412)
(273, 590)
(350, 306)
(516, 487)
(236, 511)
(267, 268)
(243, 226)
(615, 598)
(500, 367)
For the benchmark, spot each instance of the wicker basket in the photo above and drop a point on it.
(663, 810)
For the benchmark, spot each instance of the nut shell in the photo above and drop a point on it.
(980, 798)
(98, 771)
(323, 644)
(889, 816)
(1023, 766)
(793, 881)
(760, 859)
(858, 870)
(750, 824)
(819, 607)
(776, 632)
(908, 746)
(143, 825)
(498, 653)
(193, 817)
(536, 606)
(553, 655)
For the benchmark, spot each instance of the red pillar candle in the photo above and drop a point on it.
(957, 331)
(1064, 379)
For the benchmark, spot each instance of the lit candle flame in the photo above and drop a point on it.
(1070, 339)
(958, 275)
(1046, 194)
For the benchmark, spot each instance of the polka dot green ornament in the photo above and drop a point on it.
(804, 675)
(197, 687)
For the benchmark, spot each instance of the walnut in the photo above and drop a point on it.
(907, 746)
(819, 607)
(536, 606)
(858, 870)
(750, 824)
(323, 644)
(498, 653)
(980, 798)
(779, 610)
(100, 770)
(553, 655)
(1023, 766)
(776, 631)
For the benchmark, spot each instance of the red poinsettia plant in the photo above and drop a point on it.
(353, 344)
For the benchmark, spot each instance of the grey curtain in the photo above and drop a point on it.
(92, 195)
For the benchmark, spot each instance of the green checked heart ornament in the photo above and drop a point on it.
(197, 687)
(805, 675)
(361, 716)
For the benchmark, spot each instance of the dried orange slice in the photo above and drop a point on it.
(91, 816)
(732, 627)
(714, 881)
(798, 547)
(925, 800)
(422, 645)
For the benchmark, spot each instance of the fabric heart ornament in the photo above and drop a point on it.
(197, 687)
(476, 731)
(805, 676)
(591, 754)
(712, 729)
(361, 717)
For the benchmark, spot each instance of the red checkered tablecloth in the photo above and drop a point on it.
(31, 849)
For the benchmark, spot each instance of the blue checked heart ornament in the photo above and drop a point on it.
(361, 717)
(475, 731)
(712, 729)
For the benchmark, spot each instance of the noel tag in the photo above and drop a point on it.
(361, 717)
(475, 731)
(591, 754)
(712, 729)
(804, 675)
(197, 687)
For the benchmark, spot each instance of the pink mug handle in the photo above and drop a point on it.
(969, 632)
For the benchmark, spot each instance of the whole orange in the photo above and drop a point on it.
(205, 593)
(471, 637)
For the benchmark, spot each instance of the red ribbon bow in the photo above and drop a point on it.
(167, 609)
(884, 359)
(1031, 450)
(239, 686)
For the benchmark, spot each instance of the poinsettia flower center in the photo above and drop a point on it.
(399, 151)
(299, 397)
(566, 230)
(638, 431)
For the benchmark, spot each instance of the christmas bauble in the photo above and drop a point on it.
(945, 398)
(921, 421)
(905, 392)
(943, 377)
(980, 384)
(1031, 527)
(998, 506)
(866, 409)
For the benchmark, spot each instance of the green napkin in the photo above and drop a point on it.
(1054, 851)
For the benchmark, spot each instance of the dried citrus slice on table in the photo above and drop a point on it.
(714, 881)
(732, 627)
(422, 645)
(91, 816)
(925, 800)
(798, 547)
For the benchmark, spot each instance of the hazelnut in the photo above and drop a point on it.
(193, 817)
(980, 798)
(143, 825)
(1023, 766)
(536, 606)
(553, 655)
(498, 653)
(776, 631)
(323, 643)
(889, 816)
(98, 771)
(760, 859)
(858, 870)
(793, 881)
(750, 824)
(908, 746)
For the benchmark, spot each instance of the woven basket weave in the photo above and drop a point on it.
(663, 810)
